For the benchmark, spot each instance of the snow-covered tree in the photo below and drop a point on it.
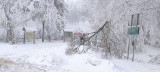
(119, 13)
(32, 13)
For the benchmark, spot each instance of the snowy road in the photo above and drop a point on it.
(50, 57)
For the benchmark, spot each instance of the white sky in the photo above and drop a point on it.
(72, 1)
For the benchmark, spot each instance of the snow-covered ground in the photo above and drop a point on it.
(51, 57)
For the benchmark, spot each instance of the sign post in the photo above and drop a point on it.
(133, 30)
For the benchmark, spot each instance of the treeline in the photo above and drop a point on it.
(32, 14)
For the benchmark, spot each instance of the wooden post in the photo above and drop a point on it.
(24, 39)
(34, 37)
(43, 22)
(64, 36)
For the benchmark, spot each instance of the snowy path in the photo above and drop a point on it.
(50, 57)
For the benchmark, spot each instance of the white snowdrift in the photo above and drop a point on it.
(50, 57)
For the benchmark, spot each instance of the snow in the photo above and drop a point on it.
(127, 66)
(153, 51)
(30, 29)
(2, 33)
(51, 57)
(84, 27)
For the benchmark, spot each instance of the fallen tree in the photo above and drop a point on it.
(74, 49)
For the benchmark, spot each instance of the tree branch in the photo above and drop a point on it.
(96, 32)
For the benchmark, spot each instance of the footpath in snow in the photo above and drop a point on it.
(51, 57)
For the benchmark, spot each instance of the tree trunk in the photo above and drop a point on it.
(109, 48)
(43, 31)
(11, 34)
(7, 39)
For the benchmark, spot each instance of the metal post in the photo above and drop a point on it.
(133, 44)
(128, 49)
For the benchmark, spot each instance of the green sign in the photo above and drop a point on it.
(69, 34)
(133, 30)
